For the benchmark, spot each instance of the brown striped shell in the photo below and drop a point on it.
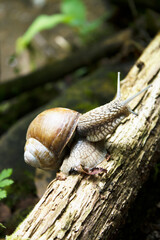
(47, 136)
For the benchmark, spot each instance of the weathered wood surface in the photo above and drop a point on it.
(83, 207)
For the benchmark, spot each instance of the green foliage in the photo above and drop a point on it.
(74, 8)
(2, 226)
(4, 182)
(73, 13)
(41, 23)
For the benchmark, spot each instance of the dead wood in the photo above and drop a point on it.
(56, 70)
(83, 207)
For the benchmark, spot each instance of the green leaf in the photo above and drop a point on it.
(74, 8)
(3, 194)
(42, 22)
(5, 173)
(5, 182)
(2, 226)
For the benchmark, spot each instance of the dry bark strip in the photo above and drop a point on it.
(83, 207)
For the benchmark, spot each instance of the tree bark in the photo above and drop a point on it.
(94, 207)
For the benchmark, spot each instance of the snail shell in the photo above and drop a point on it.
(47, 136)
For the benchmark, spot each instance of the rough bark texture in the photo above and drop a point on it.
(83, 207)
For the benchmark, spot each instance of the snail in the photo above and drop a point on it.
(65, 139)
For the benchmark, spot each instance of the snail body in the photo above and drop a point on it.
(56, 130)
(96, 124)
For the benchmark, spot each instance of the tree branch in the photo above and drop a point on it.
(56, 70)
(93, 207)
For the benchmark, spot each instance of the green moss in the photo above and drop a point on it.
(85, 107)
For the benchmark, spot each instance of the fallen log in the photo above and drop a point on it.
(17, 107)
(53, 72)
(94, 207)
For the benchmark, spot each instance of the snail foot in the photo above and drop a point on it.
(91, 171)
